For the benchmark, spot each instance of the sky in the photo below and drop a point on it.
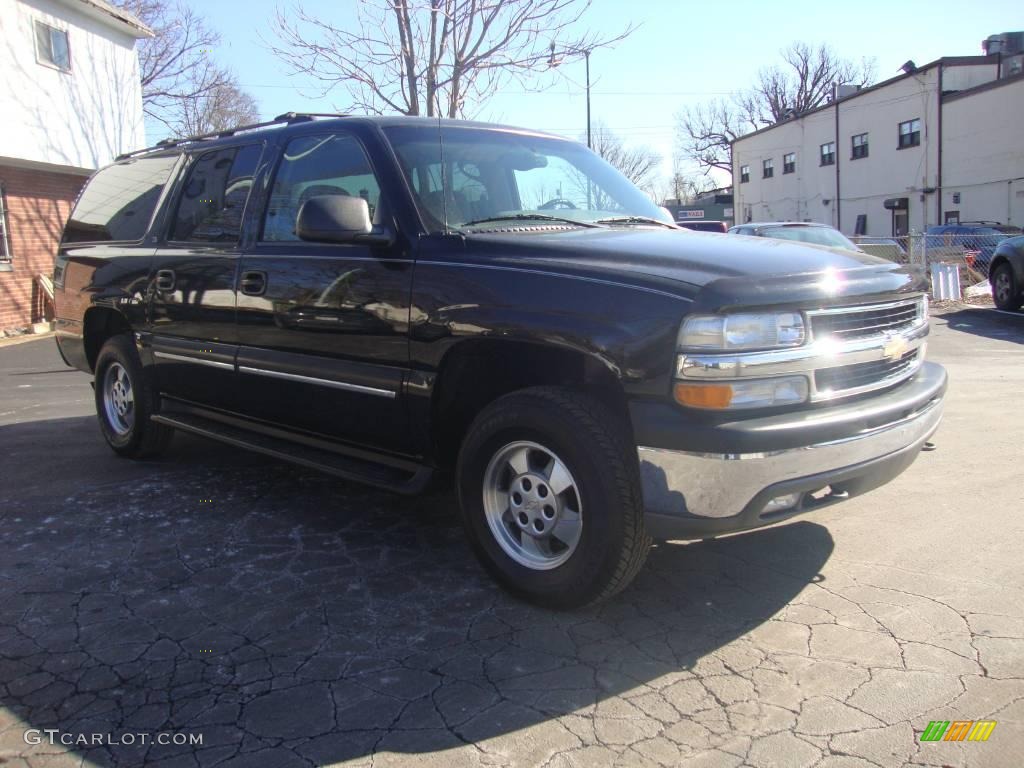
(682, 53)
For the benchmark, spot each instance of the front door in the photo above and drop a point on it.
(323, 328)
(193, 277)
(900, 223)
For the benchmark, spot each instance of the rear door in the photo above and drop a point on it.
(193, 277)
(322, 327)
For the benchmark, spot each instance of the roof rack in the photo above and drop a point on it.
(286, 118)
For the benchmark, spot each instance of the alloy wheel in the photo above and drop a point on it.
(533, 505)
(118, 399)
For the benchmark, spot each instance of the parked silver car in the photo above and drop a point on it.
(801, 231)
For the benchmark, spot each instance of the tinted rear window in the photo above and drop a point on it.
(214, 196)
(118, 201)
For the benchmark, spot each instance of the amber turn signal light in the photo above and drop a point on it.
(704, 395)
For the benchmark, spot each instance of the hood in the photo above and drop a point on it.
(716, 270)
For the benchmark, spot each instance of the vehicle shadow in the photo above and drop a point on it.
(283, 614)
(986, 322)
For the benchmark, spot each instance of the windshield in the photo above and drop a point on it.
(816, 235)
(502, 175)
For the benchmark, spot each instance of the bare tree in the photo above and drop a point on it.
(804, 80)
(221, 107)
(431, 57)
(177, 66)
(639, 164)
(706, 130)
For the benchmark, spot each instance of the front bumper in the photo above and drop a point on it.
(699, 493)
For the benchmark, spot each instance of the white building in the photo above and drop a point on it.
(73, 95)
(937, 144)
(71, 104)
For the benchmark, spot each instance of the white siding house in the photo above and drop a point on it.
(71, 104)
(886, 159)
(74, 97)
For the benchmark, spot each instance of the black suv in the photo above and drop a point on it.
(394, 300)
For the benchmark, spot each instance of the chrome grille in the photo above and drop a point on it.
(850, 351)
(847, 323)
(847, 378)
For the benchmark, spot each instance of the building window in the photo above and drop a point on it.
(789, 162)
(860, 146)
(5, 241)
(828, 153)
(744, 174)
(52, 47)
(769, 168)
(910, 134)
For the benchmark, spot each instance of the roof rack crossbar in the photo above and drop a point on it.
(287, 117)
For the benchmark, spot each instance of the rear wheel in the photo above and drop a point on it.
(550, 497)
(125, 400)
(1005, 291)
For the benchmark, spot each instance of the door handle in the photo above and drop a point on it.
(165, 280)
(254, 283)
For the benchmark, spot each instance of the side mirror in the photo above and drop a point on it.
(337, 219)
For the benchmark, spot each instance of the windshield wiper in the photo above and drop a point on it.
(528, 217)
(635, 220)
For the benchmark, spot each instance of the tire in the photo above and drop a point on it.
(592, 540)
(1005, 291)
(125, 401)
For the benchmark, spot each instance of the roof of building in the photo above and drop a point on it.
(944, 61)
(112, 16)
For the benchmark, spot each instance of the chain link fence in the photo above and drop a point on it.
(969, 255)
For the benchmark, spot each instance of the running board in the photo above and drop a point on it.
(406, 481)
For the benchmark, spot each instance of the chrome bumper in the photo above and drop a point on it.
(729, 490)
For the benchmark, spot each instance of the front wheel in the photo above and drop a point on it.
(550, 495)
(124, 402)
(1005, 292)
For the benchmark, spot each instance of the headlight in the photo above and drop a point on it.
(756, 393)
(922, 309)
(743, 330)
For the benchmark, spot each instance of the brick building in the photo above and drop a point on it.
(75, 104)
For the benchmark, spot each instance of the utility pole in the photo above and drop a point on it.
(554, 61)
(586, 57)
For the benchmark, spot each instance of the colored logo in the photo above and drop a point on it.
(958, 730)
(894, 349)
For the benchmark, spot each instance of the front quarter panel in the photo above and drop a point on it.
(630, 329)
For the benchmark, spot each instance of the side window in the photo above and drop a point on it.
(118, 201)
(213, 199)
(313, 166)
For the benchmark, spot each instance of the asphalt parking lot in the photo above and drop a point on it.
(291, 619)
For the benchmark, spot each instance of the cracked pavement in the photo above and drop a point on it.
(295, 620)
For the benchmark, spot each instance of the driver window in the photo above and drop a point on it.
(313, 166)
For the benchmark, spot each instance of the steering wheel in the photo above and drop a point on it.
(557, 204)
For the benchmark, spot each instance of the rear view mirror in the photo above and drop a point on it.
(334, 219)
(522, 160)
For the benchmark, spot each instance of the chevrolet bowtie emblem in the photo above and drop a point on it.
(894, 348)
